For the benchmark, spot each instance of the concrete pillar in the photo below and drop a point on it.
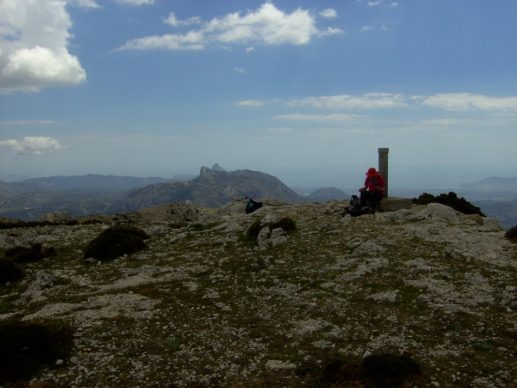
(383, 166)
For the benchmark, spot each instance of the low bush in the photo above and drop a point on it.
(9, 272)
(451, 199)
(374, 371)
(25, 348)
(511, 234)
(116, 241)
(388, 370)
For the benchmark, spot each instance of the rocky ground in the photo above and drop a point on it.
(221, 298)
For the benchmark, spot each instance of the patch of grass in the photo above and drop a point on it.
(174, 343)
(34, 253)
(26, 348)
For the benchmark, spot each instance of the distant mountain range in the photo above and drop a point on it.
(99, 194)
(493, 184)
(106, 183)
(326, 194)
(214, 187)
(492, 188)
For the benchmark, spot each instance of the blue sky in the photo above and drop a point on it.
(303, 90)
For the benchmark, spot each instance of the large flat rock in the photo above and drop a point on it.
(391, 204)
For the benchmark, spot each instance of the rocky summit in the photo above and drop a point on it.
(290, 295)
(214, 187)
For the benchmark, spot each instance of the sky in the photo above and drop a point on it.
(303, 90)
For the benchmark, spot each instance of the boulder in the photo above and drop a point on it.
(437, 211)
(392, 204)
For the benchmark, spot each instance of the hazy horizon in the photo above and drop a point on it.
(300, 180)
(300, 90)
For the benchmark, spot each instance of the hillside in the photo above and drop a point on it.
(492, 184)
(422, 297)
(213, 188)
(99, 194)
(75, 195)
(325, 194)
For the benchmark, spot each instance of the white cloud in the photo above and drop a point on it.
(193, 40)
(506, 107)
(27, 122)
(136, 2)
(366, 101)
(329, 13)
(374, 3)
(33, 145)
(173, 21)
(250, 49)
(467, 101)
(84, 3)
(240, 70)
(33, 41)
(251, 103)
(367, 28)
(267, 25)
(316, 118)
(279, 130)
(331, 31)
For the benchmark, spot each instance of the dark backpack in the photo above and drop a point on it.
(355, 209)
(252, 205)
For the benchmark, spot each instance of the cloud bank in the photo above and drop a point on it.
(32, 145)
(452, 102)
(267, 25)
(466, 101)
(34, 39)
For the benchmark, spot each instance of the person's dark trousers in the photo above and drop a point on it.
(371, 198)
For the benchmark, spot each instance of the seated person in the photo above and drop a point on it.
(373, 190)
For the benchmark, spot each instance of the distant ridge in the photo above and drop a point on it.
(326, 194)
(213, 188)
(87, 182)
(492, 183)
(107, 194)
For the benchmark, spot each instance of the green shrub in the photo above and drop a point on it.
(286, 223)
(116, 241)
(451, 199)
(511, 234)
(9, 272)
(388, 370)
(254, 229)
(25, 348)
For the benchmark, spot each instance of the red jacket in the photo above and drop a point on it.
(374, 183)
